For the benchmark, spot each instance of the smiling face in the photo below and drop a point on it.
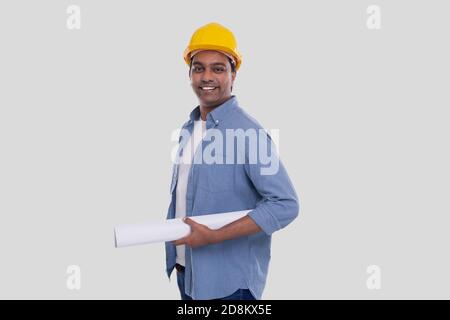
(211, 77)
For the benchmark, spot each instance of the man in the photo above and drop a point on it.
(231, 262)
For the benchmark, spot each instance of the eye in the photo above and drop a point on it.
(219, 69)
(197, 69)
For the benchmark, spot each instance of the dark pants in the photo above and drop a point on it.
(240, 294)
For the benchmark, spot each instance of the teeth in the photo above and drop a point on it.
(208, 88)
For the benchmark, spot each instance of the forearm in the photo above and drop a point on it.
(242, 227)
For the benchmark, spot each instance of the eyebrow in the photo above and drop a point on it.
(213, 64)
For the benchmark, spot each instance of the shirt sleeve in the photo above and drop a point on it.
(280, 204)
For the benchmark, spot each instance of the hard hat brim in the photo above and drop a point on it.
(187, 53)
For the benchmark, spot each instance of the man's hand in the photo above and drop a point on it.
(200, 235)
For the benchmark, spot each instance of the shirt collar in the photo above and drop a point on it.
(218, 114)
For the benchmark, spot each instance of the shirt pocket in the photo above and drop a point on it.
(217, 177)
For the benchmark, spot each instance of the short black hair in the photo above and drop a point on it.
(233, 66)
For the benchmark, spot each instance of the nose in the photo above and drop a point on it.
(207, 76)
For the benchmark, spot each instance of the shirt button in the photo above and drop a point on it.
(217, 121)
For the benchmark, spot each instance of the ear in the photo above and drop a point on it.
(233, 76)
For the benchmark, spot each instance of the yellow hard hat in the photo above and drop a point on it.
(213, 36)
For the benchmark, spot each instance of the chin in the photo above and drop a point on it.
(210, 101)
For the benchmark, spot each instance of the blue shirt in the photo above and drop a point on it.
(217, 270)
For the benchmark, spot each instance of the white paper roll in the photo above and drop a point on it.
(169, 230)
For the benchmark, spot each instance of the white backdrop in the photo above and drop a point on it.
(86, 117)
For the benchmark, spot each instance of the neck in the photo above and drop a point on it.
(205, 109)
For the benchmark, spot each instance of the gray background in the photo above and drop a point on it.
(86, 118)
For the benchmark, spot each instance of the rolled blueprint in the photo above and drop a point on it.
(169, 230)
